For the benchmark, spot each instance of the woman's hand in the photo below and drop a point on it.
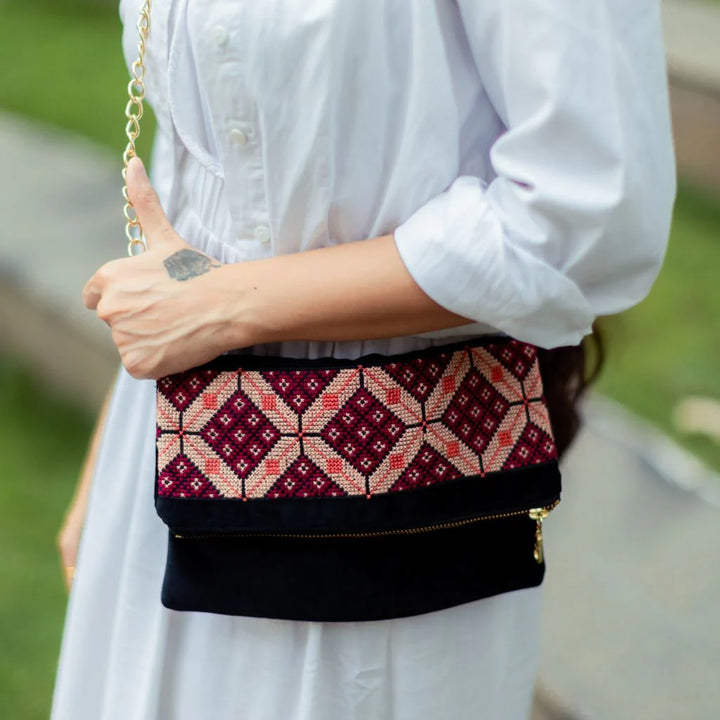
(68, 539)
(173, 307)
(166, 310)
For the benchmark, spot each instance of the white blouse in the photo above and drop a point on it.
(519, 150)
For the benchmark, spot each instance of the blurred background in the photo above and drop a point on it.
(632, 618)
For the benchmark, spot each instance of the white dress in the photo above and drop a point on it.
(522, 154)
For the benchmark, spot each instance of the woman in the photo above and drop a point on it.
(509, 168)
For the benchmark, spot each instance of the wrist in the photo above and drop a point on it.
(240, 319)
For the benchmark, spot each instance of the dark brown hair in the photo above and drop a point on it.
(567, 373)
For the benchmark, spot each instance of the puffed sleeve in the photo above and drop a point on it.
(575, 222)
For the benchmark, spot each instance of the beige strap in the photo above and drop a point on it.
(133, 113)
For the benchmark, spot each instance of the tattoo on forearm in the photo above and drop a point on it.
(186, 264)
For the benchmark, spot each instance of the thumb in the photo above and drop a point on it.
(155, 225)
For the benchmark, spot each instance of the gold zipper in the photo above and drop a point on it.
(536, 514)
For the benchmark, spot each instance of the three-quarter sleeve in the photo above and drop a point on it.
(574, 223)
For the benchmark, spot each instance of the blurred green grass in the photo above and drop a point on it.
(62, 63)
(42, 442)
(668, 346)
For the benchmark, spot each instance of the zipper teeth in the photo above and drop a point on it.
(379, 533)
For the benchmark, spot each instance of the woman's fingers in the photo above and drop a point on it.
(95, 287)
(138, 296)
(155, 225)
(157, 229)
(92, 292)
(68, 540)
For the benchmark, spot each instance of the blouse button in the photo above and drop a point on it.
(238, 136)
(219, 35)
(262, 233)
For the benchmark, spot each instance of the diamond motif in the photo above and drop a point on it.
(182, 389)
(420, 376)
(517, 357)
(428, 467)
(299, 388)
(304, 479)
(470, 419)
(182, 478)
(240, 434)
(363, 431)
(534, 446)
(476, 411)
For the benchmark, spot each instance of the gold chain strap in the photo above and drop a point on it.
(133, 113)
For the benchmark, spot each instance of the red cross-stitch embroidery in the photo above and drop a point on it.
(351, 431)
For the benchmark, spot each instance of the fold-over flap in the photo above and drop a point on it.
(456, 501)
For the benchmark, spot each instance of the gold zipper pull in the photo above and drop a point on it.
(538, 515)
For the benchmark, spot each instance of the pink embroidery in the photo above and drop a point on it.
(352, 431)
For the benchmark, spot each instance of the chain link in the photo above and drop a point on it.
(133, 113)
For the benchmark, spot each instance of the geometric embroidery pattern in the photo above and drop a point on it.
(363, 431)
(307, 433)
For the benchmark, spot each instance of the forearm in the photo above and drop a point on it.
(353, 291)
(173, 307)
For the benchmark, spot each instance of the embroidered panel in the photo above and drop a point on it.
(332, 432)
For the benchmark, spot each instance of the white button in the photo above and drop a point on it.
(262, 233)
(219, 35)
(238, 136)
